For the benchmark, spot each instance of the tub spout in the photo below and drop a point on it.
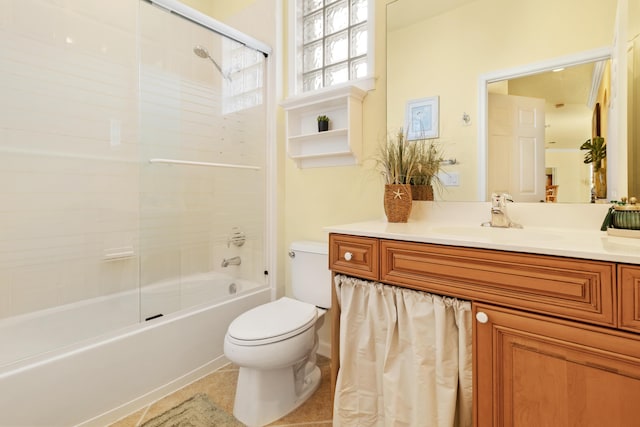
(231, 261)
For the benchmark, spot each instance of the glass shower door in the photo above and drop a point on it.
(68, 173)
(202, 157)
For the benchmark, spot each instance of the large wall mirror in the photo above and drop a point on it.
(473, 53)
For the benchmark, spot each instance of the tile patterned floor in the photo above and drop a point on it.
(220, 387)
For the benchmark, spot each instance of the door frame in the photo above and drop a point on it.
(595, 55)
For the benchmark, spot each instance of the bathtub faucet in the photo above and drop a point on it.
(231, 261)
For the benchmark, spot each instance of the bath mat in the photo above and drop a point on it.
(197, 411)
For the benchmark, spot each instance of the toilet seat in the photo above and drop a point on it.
(272, 322)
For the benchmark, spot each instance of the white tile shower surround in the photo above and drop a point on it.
(76, 182)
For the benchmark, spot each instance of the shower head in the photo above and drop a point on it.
(202, 52)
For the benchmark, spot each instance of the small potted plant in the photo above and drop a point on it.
(428, 165)
(596, 154)
(323, 123)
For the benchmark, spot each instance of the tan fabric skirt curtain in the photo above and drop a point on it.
(405, 357)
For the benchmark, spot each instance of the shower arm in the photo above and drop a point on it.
(203, 53)
(218, 67)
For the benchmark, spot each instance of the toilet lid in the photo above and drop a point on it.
(274, 321)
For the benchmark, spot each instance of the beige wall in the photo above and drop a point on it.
(320, 197)
(220, 9)
(572, 175)
(457, 47)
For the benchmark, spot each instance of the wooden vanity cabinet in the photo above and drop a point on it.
(571, 288)
(553, 342)
(533, 371)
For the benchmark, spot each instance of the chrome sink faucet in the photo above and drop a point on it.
(499, 217)
(231, 261)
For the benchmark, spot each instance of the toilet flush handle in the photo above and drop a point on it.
(348, 256)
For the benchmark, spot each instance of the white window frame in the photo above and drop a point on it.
(295, 52)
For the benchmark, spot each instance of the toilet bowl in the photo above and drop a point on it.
(275, 344)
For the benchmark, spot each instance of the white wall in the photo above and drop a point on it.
(571, 174)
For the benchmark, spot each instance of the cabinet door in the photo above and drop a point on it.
(629, 297)
(540, 371)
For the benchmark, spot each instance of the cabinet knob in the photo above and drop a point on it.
(348, 256)
(482, 317)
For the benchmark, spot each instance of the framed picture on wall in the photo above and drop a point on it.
(421, 118)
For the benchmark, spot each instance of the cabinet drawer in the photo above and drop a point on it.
(357, 256)
(629, 297)
(571, 288)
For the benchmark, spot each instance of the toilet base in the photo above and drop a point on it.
(265, 396)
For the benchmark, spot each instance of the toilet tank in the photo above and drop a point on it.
(310, 275)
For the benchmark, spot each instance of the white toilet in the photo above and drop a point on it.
(275, 344)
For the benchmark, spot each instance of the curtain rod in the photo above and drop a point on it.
(200, 18)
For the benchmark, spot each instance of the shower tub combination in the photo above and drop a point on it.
(131, 163)
(125, 148)
(102, 378)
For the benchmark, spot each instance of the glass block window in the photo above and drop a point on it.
(243, 77)
(334, 42)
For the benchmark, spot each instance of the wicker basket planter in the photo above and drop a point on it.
(422, 192)
(397, 202)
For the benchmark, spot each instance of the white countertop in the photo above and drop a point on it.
(561, 230)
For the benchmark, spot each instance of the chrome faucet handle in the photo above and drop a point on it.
(496, 200)
(237, 237)
(500, 200)
(507, 197)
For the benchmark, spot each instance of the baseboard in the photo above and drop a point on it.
(324, 349)
(145, 400)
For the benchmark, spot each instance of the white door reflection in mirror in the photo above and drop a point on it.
(516, 147)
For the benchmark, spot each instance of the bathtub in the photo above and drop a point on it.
(116, 363)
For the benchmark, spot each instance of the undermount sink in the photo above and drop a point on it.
(511, 235)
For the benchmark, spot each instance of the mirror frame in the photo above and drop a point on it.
(594, 55)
